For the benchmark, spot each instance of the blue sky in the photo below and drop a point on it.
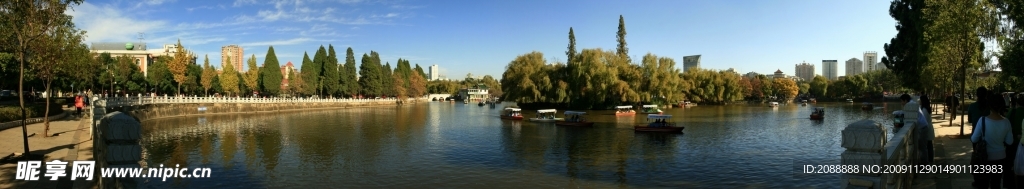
(481, 37)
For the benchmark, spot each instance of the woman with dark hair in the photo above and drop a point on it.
(927, 130)
(997, 132)
(926, 104)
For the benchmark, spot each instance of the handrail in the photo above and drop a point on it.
(126, 100)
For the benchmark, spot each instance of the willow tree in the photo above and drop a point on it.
(517, 81)
(819, 85)
(661, 79)
(591, 77)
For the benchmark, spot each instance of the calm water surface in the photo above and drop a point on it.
(455, 145)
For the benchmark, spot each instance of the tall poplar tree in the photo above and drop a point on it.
(331, 73)
(229, 78)
(621, 49)
(209, 73)
(369, 76)
(571, 52)
(179, 65)
(310, 75)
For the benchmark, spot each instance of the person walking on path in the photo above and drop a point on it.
(998, 134)
(975, 111)
(79, 104)
(924, 127)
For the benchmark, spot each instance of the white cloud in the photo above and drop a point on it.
(276, 42)
(244, 2)
(391, 15)
(107, 23)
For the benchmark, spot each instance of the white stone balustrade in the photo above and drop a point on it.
(143, 100)
(866, 145)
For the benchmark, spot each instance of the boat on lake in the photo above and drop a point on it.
(546, 115)
(574, 118)
(624, 110)
(849, 100)
(480, 103)
(512, 113)
(773, 104)
(818, 114)
(867, 106)
(659, 123)
(650, 109)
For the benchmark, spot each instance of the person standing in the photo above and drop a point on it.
(998, 134)
(975, 111)
(923, 126)
(1016, 118)
(79, 104)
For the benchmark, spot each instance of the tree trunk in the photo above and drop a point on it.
(21, 93)
(46, 114)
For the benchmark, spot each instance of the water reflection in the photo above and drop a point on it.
(454, 145)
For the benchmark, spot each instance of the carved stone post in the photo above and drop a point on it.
(119, 135)
(864, 141)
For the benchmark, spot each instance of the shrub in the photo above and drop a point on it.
(13, 113)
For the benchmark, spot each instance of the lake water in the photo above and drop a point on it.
(455, 145)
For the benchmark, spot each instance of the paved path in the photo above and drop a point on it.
(72, 142)
(950, 149)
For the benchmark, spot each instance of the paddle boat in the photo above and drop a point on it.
(803, 103)
(773, 104)
(849, 100)
(650, 109)
(659, 123)
(867, 106)
(624, 110)
(818, 114)
(574, 118)
(512, 113)
(546, 115)
(481, 103)
(814, 100)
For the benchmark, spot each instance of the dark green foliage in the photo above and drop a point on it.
(904, 53)
(271, 73)
(621, 49)
(388, 82)
(310, 74)
(331, 73)
(370, 76)
(420, 70)
(571, 52)
(349, 77)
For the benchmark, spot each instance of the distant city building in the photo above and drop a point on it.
(434, 72)
(235, 53)
(854, 67)
(690, 62)
(870, 58)
(136, 51)
(751, 75)
(880, 66)
(841, 77)
(830, 69)
(805, 71)
(778, 74)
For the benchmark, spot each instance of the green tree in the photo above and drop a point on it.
(229, 78)
(819, 86)
(271, 73)
(53, 58)
(953, 42)
(804, 87)
(332, 76)
(621, 49)
(571, 52)
(311, 74)
(388, 83)
(349, 76)
(26, 22)
(420, 70)
(159, 76)
(192, 83)
(252, 76)
(369, 76)
(296, 86)
(516, 81)
(591, 77)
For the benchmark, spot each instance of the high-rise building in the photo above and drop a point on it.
(870, 58)
(830, 69)
(692, 61)
(805, 71)
(235, 53)
(434, 72)
(854, 66)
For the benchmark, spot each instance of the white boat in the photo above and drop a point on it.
(650, 109)
(773, 104)
(546, 115)
(575, 118)
(624, 110)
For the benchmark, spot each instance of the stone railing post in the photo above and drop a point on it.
(910, 113)
(119, 135)
(864, 141)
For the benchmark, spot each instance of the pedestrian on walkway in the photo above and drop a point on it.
(927, 130)
(975, 111)
(79, 104)
(998, 134)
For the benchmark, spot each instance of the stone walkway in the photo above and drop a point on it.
(950, 149)
(72, 142)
